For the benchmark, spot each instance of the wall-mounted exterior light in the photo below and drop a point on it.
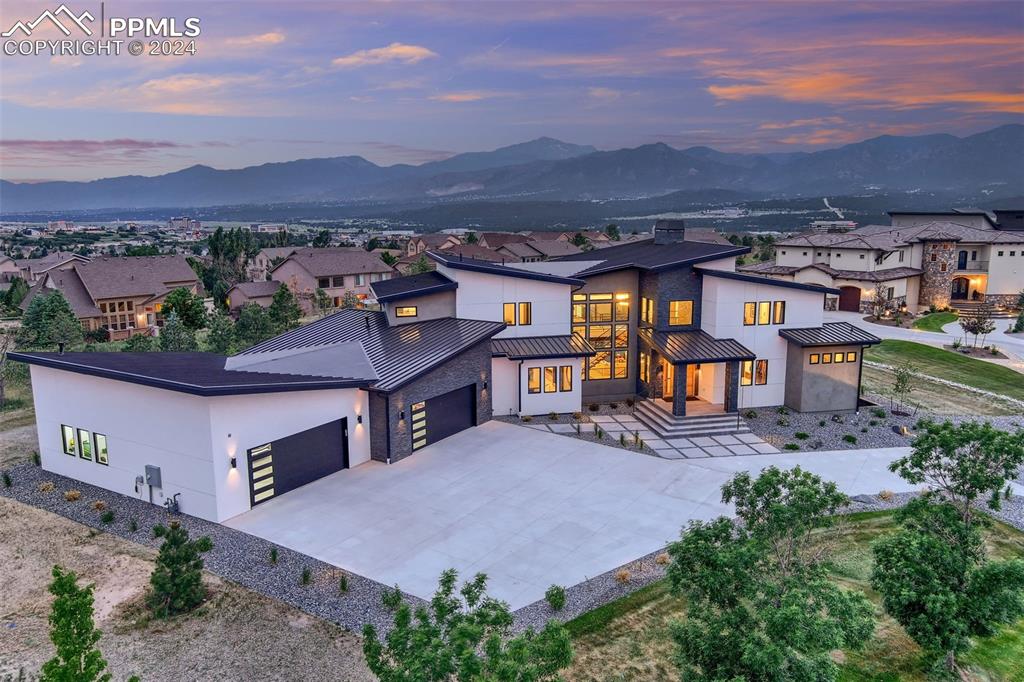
(359, 419)
(234, 462)
(401, 415)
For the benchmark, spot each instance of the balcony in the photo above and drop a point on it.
(973, 266)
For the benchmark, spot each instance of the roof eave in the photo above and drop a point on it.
(433, 289)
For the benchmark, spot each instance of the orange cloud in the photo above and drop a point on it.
(466, 96)
(394, 53)
(257, 40)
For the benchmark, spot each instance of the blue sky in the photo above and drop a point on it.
(410, 82)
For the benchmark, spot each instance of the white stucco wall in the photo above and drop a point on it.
(722, 317)
(185, 435)
(559, 401)
(1006, 272)
(504, 392)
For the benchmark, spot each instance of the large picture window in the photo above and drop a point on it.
(680, 312)
(509, 314)
(764, 312)
(600, 366)
(517, 313)
(749, 313)
(525, 313)
(593, 316)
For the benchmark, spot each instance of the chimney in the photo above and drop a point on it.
(669, 232)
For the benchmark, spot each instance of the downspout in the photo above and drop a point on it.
(519, 388)
(387, 420)
(860, 374)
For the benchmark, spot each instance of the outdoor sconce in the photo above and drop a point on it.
(234, 462)
(485, 385)
(359, 419)
(401, 415)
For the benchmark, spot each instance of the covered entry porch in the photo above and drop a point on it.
(691, 371)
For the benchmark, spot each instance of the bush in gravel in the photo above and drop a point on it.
(555, 596)
(838, 419)
(307, 575)
(107, 516)
(578, 416)
(72, 495)
(343, 583)
(863, 429)
(800, 435)
(464, 635)
(622, 439)
(886, 495)
(46, 487)
(849, 438)
(821, 422)
(526, 419)
(623, 575)
(614, 406)
(73, 633)
(878, 412)
(176, 585)
(873, 422)
(593, 407)
(662, 559)
(36, 459)
(790, 446)
(99, 505)
(7, 480)
(133, 525)
(782, 421)
(782, 409)
(391, 599)
(273, 555)
(630, 402)
(750, 414)
(553, 416)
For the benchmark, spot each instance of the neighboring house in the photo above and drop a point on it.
(123, 295)
(259, 266)
(496, 240)
(664, 321)
(428, 242)
(334, 270)
(34, 268)
(537, 250)
(260, 293)
(920, 260)
(478, 252)
(8, 269)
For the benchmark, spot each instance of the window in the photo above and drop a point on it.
(779, 312)
(621, 336)
(764, 312)
(621, 364)
(360, 280)
(819, 253)
(550, 380)
(565, 383)
(805, 253)
(510, 314)
(406, 311)
(525, 313)
(601, 312)
(826, 359)
(645, 367)
(600, 366)
(974, 255)
(942, 267)
(839, 255)
(838, 358)
(533, 379)
(746, 373)
(621, 307)
(68, 436)
(761, 372)
(1013, 253)
(600, 336)
(935, 257)
(783, 252)
(862, 256)
(579, 312)
(901, 256)
(85, 444)
(1000, 254)
(889, 293)
(647, 310)
(338, 281)
(680, 312)
(323, 282)
(851, 356)
(101, 448)
(815, 358)
(748, 313)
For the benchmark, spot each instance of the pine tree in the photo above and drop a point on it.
(253, 325)
(188, 307)
(73, 633)
(222, 334)
(284, 310)
(177, 580)
(49, 320)
(175, 337)
(141, 343)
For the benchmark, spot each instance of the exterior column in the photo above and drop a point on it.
(679, 390)
(732, 386)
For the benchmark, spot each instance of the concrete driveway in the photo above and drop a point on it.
(527, 508)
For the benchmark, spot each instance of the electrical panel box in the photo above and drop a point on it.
(153, 476)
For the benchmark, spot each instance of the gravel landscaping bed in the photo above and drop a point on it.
(587, 425)
(872, 427)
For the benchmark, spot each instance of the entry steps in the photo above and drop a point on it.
(970, 309)
(668, 425)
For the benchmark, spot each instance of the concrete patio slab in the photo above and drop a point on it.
(526, 506)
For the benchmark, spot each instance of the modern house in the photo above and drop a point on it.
(336, 271)
(122, 295)
(919, 260)
(665, 321)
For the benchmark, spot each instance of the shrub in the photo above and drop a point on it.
(307, 575)
(630, 402)
(886, 495)
(781, 409)
(863, 429)
(782, 421)
(578, 416)
(636, 438)
(391, 599)
(343, 583)
(994, 350)
(273, 555)
(750, 414)
(849, 438)
(838, 419)
(133, 525)
(555, 597)
(623, 575)
(873, 422)
(36, 459)
(72, 495)
(821, 422)
(526, 418)
(662, 559)
(790, 446)
(878, 412)
(73, 633)
(176, 585)
(553, 416)
(99, 505)
(593, 407)
(800, 435)
(7, 480)
(622, 439)
(956, 344)
(107, 516)
(46, 487)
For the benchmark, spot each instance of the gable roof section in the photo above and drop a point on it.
(695, 346)
(766, 281)
(647, 255)
(534, 347)
(336, 261)
(474, 265)
(398, 288)
(122, 277)
(257, 289)
(829, 334)
(476, 251)
(886, 275)
(69, 284)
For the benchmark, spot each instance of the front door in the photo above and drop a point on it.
(692, 381)
(960, 288)
(668, 380)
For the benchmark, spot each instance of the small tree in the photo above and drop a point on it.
(350, 301)
(880, 301)
(322, 239)
(389, 258)
(253, 325)
(420, 266)
(902, 386)
(187, 306)
(8, 339)
(581, 240)
(986, 323)
(1018, 325)
(466, 639)
(176, 337)
(221, 335)
(73, 633)
(323, 302)
(612, 230)
(49, 321)
(141, 343)
(760, 604)
(471, 238)
(176, 585)
(284, 310)
(971, 325)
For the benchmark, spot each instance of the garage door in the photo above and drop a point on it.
(440, 417)
(298, 459)
(849, 299)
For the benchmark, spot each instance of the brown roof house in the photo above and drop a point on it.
(259, 267)
(122, 295)
(496, 240)
(334, 270)
(430, 242)
(260, 293)
(537, 250)
(34, 268)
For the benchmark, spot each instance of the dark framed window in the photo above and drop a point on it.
(533, 379)
(621, 336)
(764, 312)
(621, 307)
(645, 367)
(600, 366)
(621, 364)
(550, 380)
(579, 312)
(761, 372)
(851, 356)
(101, 448)
(746, 373)
(601, 312)
(509, 314)
(68, 437)
(749, 313)
(680, 312)
(84, 444)
(815, 358)
(323, 282)
(600, 335)
(525, 313)
(565, 378)
(406, 311)
(838, 358)
(338, 281)
(826, 358)
(779, 312)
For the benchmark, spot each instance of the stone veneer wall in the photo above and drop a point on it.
(1005, 300)
(937, 278)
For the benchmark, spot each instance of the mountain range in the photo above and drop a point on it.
(551, 170)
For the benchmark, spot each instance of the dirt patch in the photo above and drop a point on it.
(17, 444)
(236, 635)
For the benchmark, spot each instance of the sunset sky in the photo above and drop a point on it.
(403, 82)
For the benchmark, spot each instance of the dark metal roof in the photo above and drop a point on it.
(398, 354)
(647, 255)
(474, 265)
(531, 347)
(695, 346)
(767, 281)
(830, 334)
(413, 285)
(196, 373)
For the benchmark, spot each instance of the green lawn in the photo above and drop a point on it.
(934, 322)
(945, 364)
(629, 639)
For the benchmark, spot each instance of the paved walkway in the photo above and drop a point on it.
(672, 448)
